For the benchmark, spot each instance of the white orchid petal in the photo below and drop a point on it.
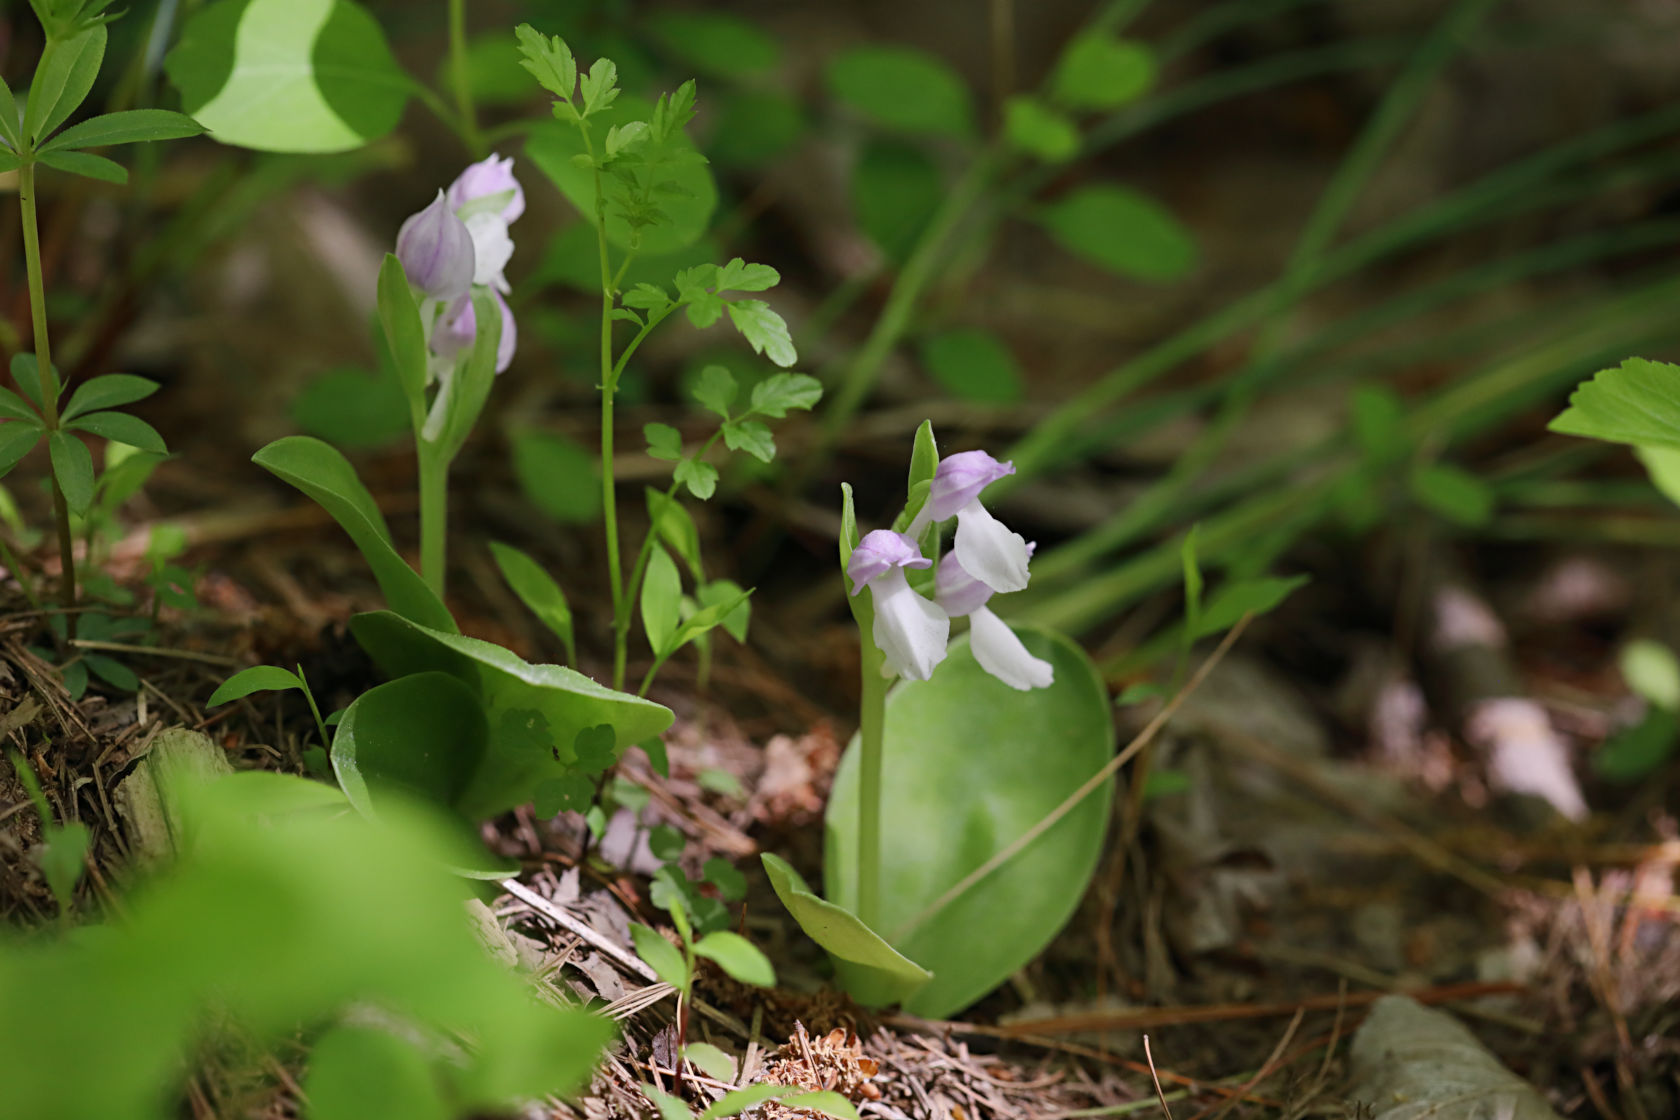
(909, 630)
(1001, 653)
(989, 551)
(492, 248)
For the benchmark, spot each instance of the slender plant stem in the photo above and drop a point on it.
(315, 710)
(458, 77)
(434, 517)
(49, 382)
(872, 718)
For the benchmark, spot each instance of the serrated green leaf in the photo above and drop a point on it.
(700, 478)
(549, 61)
(664, 441)
(123, 428)
(258, 678)
(739, 276)
(129, 126)
(621, 137)
(661, 600)
(780, 392)
(716, 389)
(662, 956)
(111, 390)
(761, 326)
(648, 297)
(1638, 402)
(87, 165)
(752, 437)
(599, 87)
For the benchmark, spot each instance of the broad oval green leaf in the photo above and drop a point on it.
(896, 188)
(737, 956)
(660, 955)
(904, 89)
(689, 204)
(1101, 71)
(1122, 231)
(661, 599)
(258, 678)
(874, 972)
(351, 407)
(508, 686)
(973, 365)
(324, 474)
(289, 75)
(970, 766)
(716, 44)
(1638, 402)
(357, 1072)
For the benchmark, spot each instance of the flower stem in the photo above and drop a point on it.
(609, 379)
(872, 718)
(458, 77)
(434, 517)
(49, 382)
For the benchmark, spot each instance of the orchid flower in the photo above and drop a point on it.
(436, 251)
(909, 630)
(986, 547)
(993, 643)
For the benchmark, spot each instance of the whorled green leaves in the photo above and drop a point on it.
(289, 75)
(971, 765)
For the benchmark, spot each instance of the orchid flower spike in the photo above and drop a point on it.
(993, 643)
(909, 630)
(987, 548)
(436, 251)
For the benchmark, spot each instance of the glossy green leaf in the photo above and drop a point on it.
(538, 591)
(17, 439)
(130, 126)
(289, 75)
(661, 600)
(258, 678)
(738, 957)
(111, 390)
(1000, 761)
(356, 1072)
(326, 475)
(1038, 130)
(1122, 231)
(689, 204)
(1638, 402)
(973, 365)
(62, 82)
(72, 465)
(558, 475)
(399, 315)
(1098, 70)
(895, 190)
(87, 165)
(903, 89)
(515, 762)
(700, 478)
(663, 957)
(874, 972)
(122, 428)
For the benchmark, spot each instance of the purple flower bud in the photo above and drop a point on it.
(436, 251)
(457, 327)
(487, 177)
(880, 552)
(959, 480)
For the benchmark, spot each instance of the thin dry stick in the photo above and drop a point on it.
(1160, 1094)
(1268, 1067)
(1096, 780)
(546, 908)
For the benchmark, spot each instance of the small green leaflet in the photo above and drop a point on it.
(549, 60)
(764, 329)
(1638, 402)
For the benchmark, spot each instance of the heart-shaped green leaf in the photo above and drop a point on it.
(289, 75)
(873, 971)
(324, 474)
(515, 761)
(418, 737)
(970, 765)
